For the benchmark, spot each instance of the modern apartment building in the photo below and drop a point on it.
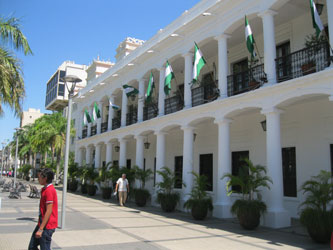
(56, 93)
(277, 112)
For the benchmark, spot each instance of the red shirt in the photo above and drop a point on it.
(48, 195)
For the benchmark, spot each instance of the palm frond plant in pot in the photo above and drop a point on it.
(91, 176)
(141, 194)
(199, 202)
(166, 196)
(251, 179)
(104, 180)
(82, 173)
(73, 174)
(317, 214)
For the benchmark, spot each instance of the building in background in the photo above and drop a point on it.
(29, 117)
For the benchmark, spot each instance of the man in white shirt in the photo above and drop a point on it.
(122, 188)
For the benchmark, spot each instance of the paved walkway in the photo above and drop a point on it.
(92, 223)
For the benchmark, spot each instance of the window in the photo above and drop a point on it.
(240, 75)
(283, 62)
(289, 171)
(331, 147)
(128, 164)
(62, 74)
(144, 164)
(206, 168)
(179, 171)
(61, 90)
(237, 162)
(115, 163)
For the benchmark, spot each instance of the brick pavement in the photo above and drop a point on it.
(92, 223)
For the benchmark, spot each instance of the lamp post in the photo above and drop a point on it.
(67, 79)
(3, 149)
(16, 152)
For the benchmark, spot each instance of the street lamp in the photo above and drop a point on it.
(3, 149)
(16, 152)
(67, 79)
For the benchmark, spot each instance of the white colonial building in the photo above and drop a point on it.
(207, 127)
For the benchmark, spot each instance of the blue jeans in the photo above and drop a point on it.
(44, 241)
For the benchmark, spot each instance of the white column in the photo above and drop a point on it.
(223, 64)
(123, 109)
(139, 151)
(187, 161)
(223, 202)
(80, 125)
(111, 113)
(141, 99)
(330, 23)
(99, 120)
(122, 152)
(88, 155)
(108, 157)
(160, 153)
(98, 155)
(161, 94)
(79, 157)
(187, 80)
(276, 216)
(269, 45)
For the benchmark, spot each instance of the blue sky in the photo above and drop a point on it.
(78, 30)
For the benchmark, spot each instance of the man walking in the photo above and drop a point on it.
(48, 213)
(122, 188)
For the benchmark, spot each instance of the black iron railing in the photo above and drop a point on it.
(206, 92)
(93, 130)
(303, 62)
(116, 122)
(131, 117)
(84, 132)
(173, 104)
(150, 110)
(247, 80)
(104, 127)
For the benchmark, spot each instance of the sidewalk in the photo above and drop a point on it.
(92, 223)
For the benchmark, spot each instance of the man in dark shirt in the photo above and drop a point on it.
(48, 213)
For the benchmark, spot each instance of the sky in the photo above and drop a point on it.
(79, 31)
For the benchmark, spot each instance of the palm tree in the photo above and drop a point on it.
(11, 80)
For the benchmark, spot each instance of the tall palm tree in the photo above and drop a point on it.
(11, 80)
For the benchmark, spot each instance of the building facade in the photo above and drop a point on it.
(208, 126)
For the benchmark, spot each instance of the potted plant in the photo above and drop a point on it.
(73, 172)
(166, 196)
(251, 179)
(316, 215)
(141, 194)
(199, 202)
(25, 169)
(104, 179)
(91, 176)
(311, 49)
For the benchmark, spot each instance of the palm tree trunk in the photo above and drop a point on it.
(52, 150)
(45, 157)
(58, 168)
(30, 158)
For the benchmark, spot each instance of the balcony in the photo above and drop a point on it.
(104, 127)
(150, 110)
(173, 104)
(303, 62)
(116, 122)
(205, 93)
(84, 132)
(93, 130)
(131, 117)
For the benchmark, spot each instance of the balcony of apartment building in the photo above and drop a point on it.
(229, 71)
(55, 92)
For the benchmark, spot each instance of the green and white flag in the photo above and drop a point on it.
(249, 38)
(88, 118)
(129, 90)
(316, 22)
(150, 89)
(169, 75)
(199, 62)
(96, 112)
(114, 106)
(85, 121)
